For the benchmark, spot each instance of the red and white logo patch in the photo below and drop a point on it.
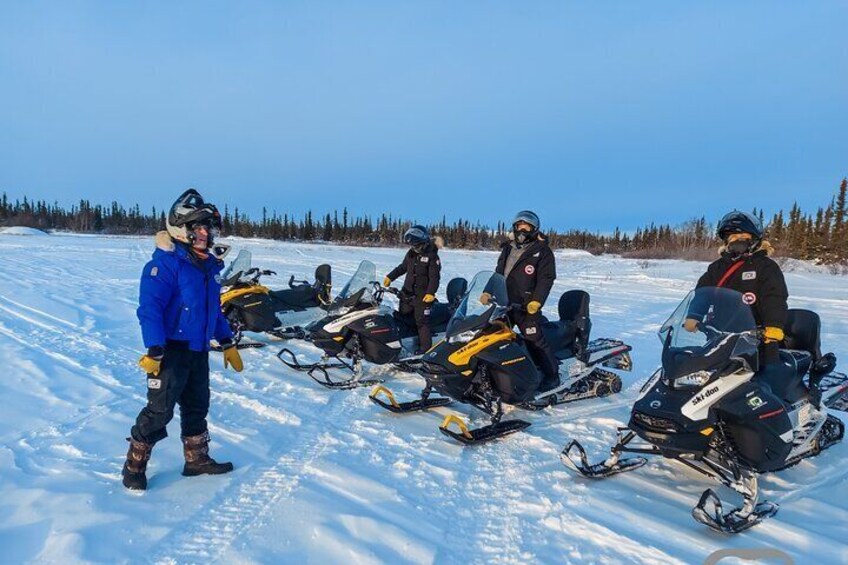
(529, 269)
(749, 298)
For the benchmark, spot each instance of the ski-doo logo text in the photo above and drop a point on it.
(529, 269)
(749, 298)
(704, 395)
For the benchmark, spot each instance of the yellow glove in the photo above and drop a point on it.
(690, 325)
(485, 298)
(233, 357)
(150, 365)
(428, 298)
(387, 282)
(533, 306)
(773, 334)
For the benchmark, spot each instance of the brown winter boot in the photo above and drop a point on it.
(197, 460)
(135, 466)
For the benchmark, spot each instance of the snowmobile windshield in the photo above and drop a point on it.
(486, 293)
(361, 279)
(240, 265)
(713, 329)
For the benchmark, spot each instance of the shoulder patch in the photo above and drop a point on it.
(154, 271)
(749, 275)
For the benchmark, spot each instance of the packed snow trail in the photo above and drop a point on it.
(325, 476)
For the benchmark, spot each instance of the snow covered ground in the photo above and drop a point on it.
(325, 477)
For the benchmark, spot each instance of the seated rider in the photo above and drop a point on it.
(745, 266)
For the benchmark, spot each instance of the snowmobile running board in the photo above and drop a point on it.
(611, 466)
(476, 436)
(319, 373)
(404, 407)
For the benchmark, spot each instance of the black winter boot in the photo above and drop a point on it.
(135, 467)
(197, 460)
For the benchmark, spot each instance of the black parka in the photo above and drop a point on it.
(423, 271)
(760, 281)
(532, 277)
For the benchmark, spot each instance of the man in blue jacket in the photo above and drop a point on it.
(179, 312)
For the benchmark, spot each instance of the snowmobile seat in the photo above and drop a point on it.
(323, 283)
(299, 297)
(786, 379)
(455, 291)
(440, 313)
(568, 337)
(802, 332)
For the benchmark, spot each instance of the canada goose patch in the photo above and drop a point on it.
(749, 298)
(154, 271)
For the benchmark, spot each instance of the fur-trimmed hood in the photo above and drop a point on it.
(439, 242)
(764, 246)
(164, 241)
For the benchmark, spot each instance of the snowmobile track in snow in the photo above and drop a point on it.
(222, 520)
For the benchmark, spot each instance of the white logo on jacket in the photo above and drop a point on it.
(749, 275)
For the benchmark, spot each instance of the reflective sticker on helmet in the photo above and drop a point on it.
(749, 298)
(154, 271)
(155, 384)
(749, 275)
(529, 269)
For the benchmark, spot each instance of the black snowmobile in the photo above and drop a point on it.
(484, 363)
(253, 307)
(359, 327)
(711, 408)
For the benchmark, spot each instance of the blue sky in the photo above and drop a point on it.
(595, 115)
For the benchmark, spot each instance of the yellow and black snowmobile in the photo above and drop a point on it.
(251, 306)
(484, 363)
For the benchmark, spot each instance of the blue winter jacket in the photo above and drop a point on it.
(180, 298)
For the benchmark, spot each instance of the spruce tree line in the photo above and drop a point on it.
(819, 236)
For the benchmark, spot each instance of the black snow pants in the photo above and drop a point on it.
(415, 305)
(538, 347)
(183, 379)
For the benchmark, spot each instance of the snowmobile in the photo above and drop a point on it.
(359, 327)
(484, 363)
(253, 307)
(711, 408)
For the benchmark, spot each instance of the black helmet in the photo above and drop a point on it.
(191, 210)
(417, 237)
(739, 222)
(527, 217)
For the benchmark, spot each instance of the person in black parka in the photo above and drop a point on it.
(421, 269)
(528, 265)
(745, 266)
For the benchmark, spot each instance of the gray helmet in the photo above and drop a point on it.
(528, 217)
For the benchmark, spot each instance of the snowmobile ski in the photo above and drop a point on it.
(708, 511)
(468, 436)
(423, 403)
(612, 466)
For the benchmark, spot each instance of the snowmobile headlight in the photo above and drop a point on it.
(693, 380)
(463, 337)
